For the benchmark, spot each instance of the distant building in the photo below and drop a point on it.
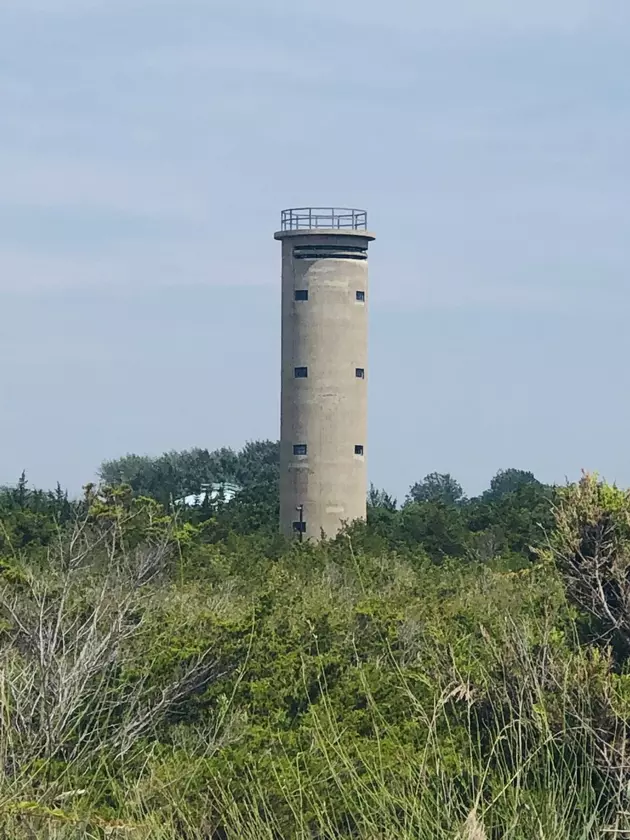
(224, 491)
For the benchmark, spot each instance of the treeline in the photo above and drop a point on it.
(509, 520)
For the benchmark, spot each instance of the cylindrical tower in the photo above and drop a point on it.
(323, 439)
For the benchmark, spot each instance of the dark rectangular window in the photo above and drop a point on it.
(358, 449)
(300, 527)
(301, 294)
(330, 252)
(301, 372)
(300, 449)
(360, 373)
(361, 296)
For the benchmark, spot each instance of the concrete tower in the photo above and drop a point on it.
(323, 452)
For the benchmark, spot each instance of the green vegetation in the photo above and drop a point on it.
(453, 668)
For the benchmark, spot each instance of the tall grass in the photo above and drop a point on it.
(444, 703)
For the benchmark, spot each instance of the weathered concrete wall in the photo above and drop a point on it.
(327, 410)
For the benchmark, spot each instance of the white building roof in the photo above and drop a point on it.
(226, 488)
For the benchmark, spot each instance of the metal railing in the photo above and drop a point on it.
(324, 218)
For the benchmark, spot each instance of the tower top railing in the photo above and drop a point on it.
(324, 218)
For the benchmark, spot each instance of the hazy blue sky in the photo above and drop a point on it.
(148, 146)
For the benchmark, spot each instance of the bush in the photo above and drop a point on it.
(155, 683)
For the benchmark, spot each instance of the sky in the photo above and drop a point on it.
(147, 148)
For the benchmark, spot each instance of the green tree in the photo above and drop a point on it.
(381, 499)
(437, 487)
(516, 522)
(438, 526)
(509, 481)
(258, 463)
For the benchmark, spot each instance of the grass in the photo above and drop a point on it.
(148, 694)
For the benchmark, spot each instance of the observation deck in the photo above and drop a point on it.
(344, 221)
